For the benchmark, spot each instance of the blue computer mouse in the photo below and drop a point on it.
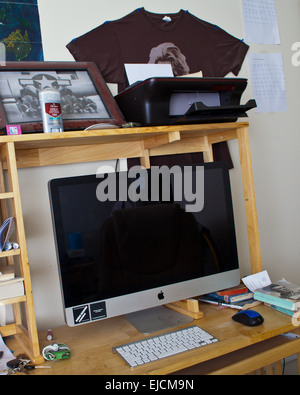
(248, 317)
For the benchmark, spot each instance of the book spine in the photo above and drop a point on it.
(284, 303)
(237, 291)
(231, 298)
(282, 310)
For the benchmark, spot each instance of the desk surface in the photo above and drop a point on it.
(91, 344)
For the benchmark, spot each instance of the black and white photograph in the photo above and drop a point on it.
(85, 97)
(19, 92)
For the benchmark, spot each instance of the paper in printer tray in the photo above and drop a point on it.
(171, 101)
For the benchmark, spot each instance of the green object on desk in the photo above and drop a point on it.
(56, 351)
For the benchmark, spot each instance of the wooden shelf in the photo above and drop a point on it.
(5, 254)
(86, 146)
(17, 299)
(7, 195)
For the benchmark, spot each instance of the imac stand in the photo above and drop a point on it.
(165, 317)
(157, 319)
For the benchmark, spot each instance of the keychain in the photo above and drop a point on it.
(17, 364)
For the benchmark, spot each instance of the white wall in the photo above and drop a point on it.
(274, 139)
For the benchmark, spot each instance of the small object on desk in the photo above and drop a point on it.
(7, 246)
(10, 246)
(56, 351)
(290, 335)
(248, 318)
(216, 303)
(13, 130)
(15, 245)
(13, 363)
(1, 354)
(131, 125)
(49, 334)
(101, 126)
(31, 367)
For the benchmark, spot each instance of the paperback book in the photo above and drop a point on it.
(281, 293)
(240, 289)
(11, 288)
(230, 298)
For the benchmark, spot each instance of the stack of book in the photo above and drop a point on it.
(281, 295)
(10, 285)
(237, 297)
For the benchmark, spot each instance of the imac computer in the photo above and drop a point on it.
(131, 241)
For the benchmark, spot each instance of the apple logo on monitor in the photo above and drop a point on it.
(161, 295)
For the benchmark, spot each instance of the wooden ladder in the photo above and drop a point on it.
(25, 332)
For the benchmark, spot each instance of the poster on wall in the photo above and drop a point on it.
(20, 30)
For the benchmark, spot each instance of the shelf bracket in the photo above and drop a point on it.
(154, 142)
(167, 138)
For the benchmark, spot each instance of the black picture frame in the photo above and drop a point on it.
(85, 97)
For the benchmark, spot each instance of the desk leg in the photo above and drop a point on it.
(249, 197)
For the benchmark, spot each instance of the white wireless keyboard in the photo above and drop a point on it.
(162, 346)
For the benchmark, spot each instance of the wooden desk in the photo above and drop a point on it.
(91, 346)
(46, 149)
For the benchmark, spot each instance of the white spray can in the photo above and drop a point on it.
(51, 110)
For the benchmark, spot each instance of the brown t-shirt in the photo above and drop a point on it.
(187, 42)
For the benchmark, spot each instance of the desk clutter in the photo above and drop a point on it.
(258, 288)
(21, 364)
(239, 298)
(10, 364)
(281, 295)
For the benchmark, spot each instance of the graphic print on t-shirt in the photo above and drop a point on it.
(170, 53)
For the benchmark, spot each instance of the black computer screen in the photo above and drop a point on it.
(159, 234)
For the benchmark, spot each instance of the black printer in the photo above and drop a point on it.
(178, 100)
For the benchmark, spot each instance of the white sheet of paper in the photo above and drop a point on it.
(257, 280)
(268, 82)
(7, 356)
(260, 22)
(141, 71)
